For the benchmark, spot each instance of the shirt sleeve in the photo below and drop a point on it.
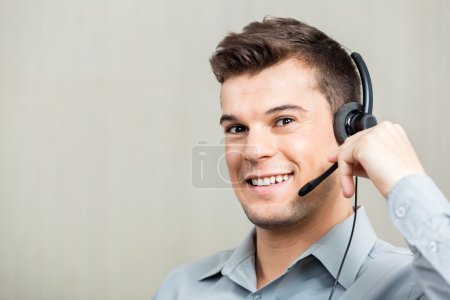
(421, 213)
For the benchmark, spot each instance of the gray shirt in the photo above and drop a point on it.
(373, 269)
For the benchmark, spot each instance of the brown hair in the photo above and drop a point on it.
(264, 44)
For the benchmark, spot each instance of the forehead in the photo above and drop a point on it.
(286, 82)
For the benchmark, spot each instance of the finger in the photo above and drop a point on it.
(346, 176)
(359, 171)
(333, 157)
(348, 164)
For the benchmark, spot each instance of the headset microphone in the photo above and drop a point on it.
(349, 119)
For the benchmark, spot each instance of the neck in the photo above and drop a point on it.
(277, 249)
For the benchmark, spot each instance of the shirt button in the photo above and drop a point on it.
(400, 211)
(257, 297)
(433, 246)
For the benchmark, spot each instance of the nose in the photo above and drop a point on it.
(260, 145)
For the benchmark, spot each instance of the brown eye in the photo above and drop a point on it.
(284, 121)
(235, 129)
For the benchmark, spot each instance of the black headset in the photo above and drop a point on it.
(352, 117)
(349, 119)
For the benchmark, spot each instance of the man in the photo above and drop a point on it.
(282, 81)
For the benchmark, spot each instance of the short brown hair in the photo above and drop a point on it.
(264, 44)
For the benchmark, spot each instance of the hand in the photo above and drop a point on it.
(382, 153)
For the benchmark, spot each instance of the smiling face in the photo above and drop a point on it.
(278, 135)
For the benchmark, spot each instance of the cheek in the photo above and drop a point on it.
(310, 149)
(233, 157)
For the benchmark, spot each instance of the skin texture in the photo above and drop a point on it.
(277, 122)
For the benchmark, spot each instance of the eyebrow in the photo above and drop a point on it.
(230, 118)
(284, 107)
(275, 109)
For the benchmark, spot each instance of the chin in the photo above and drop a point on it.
(277, 215)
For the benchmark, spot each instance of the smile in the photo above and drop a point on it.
(269, 180)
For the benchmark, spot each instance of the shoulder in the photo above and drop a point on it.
(384, 248)
(188, 276)
(387, 273)
(388, 257)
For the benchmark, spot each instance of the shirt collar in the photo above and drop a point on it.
(244, 251)
(329, 250)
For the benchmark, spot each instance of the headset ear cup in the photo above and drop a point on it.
(340, 120)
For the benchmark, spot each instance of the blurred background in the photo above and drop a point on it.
(102, 106)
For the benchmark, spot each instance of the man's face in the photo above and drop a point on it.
(278, 135)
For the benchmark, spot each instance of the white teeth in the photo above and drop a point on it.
(270, 180)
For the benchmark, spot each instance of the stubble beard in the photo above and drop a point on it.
(284, 217)
(291, 213)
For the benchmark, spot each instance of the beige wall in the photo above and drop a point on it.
(102, 101)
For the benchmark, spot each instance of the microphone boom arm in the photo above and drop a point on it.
(313, 183)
